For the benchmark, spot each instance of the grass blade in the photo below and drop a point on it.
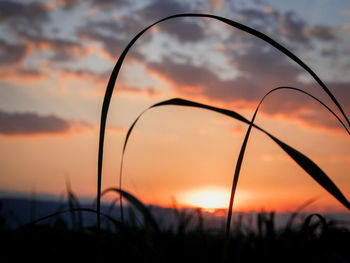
(138, 204)
(304, 162)
(309, 166)
(89, 210)
(117, 67)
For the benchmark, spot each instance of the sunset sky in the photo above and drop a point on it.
(55, 60)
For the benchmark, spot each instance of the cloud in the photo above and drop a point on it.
(293, 28)
(26, 123)
(108, 4)
(29, 15)
(101, 80)
(346, 28)
(329, 52)
(185, 30)
(148, 92)
(159, 9)
(19, 75)
(264, 63)
(113, 43)
(68, 4)
(267, 70)
(266, 16)
(260, 70)
(324, 33)
(11, 53)
(63, 49)
(289, 25)
(84, 75)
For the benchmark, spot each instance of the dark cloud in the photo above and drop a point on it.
(324, 33)
(111, 35)
(265, 16)
(185, 30)
(112, 31)
(101, 79)
(21, 74)
(265, 63)
(158, 9)
(293, 28)
(68, 4)
(341, 91)
(114, 34)
(63, 49)
(112, 45)
(31, 124)
(109, 4)
(125, 27)
(329, 52)
(28, 15)
(11, 53)
(314, 115)
(196, 80)
(85, 75)
(289, 25)
(261, 71)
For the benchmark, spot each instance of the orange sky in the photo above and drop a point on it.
(52, 87)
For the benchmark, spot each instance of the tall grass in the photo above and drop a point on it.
(304, 162)
(267, 235)
(309, 166)
(313, 239)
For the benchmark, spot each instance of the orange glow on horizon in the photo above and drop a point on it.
(210, 199)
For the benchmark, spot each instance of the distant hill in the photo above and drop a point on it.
(20, 211)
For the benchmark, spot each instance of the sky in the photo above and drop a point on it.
(55, 60)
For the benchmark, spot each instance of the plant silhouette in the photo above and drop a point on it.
(309, 166)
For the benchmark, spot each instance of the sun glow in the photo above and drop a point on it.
(209, 199)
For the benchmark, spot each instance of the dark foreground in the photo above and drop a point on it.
(312, 239)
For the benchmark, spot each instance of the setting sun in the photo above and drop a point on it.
(212, 198)
(209, 199)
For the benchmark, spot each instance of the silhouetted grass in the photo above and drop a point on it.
(289, 150)
(127, 241)
(311, 239)
(303, 161)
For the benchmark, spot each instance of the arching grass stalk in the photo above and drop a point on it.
(117, 67)
(308, 165)
(137, 204)
(313, 170)
(303, 161)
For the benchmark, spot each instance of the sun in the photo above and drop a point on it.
(208, 199)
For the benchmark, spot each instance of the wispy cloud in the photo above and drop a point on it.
(21, 75)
